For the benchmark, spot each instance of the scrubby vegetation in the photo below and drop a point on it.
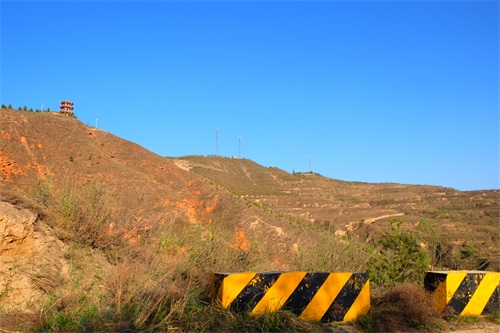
(142, 279)
(126, 278)
(405, 307)
(397, 258)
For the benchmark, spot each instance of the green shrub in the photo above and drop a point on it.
(397, 258)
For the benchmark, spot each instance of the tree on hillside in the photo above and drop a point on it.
(31, 109)
(10, 106)
(4, 106)
(20, 108)
(25, 108)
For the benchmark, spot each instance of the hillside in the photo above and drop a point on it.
(75, 199)
(145, 188)
(236, 193)
(357, 208)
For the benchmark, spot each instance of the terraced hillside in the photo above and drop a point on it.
(461, 219)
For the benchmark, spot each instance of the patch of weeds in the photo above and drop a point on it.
(366, 323)
(471, 320)
(42, 192)
(58, 322)
(284, 321)
(330, 254)
(90, 318)
(493, 318)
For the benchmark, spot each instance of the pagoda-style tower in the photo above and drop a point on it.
(66, 107)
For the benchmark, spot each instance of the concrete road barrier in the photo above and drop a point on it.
(465, 293)
(324, 297)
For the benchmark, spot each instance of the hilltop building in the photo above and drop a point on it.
(66, 107)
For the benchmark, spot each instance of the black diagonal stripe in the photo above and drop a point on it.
(345, 298)
(254, 291)
(493, 305)
(305, 291)
(464, 292)
(217, 282)
(432, 280)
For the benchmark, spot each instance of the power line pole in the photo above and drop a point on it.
(239, 147)
(217, 142)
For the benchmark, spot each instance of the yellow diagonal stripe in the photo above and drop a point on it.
(453, 281)
(325, 296)
(231, 287)
(440, 298)
(482, 294)
(279, 292)
(361, 305)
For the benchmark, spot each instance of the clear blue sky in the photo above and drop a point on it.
(373, 91)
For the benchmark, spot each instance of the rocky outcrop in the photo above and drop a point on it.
(16, 230)
(31, 259)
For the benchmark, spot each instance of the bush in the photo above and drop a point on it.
(407, 307)
(397, 258)
(80, 213)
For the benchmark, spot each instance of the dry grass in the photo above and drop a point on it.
(161, 282)
(406, 307)
(159, 278)
(18, 322)
(331, 254)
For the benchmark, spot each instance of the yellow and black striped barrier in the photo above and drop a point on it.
(465, 293)
(324, 297)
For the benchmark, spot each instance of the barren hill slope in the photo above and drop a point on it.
(144, 188)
